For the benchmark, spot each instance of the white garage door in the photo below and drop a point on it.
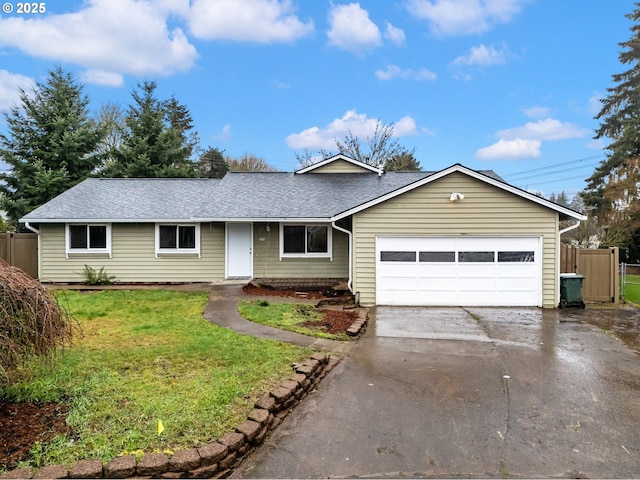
(460, 271)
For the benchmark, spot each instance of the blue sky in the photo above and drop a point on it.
(507, 85)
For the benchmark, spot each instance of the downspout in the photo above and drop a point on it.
(37, 232)
(349, 234)
(568, 229)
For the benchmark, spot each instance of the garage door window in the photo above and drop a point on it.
(516, 257)
(438, 257)
(476, 257)
(390, 256)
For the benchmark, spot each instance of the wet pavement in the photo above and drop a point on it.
(476, 392)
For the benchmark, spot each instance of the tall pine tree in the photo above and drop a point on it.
(157, 141)
(50, 144)
(612, 192)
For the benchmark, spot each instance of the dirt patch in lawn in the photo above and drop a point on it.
(24, 424)
(330, 295)
(334, 321)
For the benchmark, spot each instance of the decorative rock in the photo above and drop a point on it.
(266, 403)
(291, 385)
(52, 471)
(305, 369)
(232, 440)
(249, 429)
(299, 378)
(87, 469)
(212, 453)
(320, 357)
(207, 471)
(259, 415)
(25, 472)
(280, 393)
(153, 464)
(121, 467)
(228, 461)
(185, 460)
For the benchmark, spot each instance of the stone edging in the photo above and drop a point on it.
(214, 460)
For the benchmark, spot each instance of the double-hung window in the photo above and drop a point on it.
(176, 238)
(298, 240)
(88, 238)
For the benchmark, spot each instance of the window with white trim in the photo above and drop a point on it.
(298, 240)
(177, 238)
(88, 238)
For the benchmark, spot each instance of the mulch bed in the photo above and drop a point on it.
(24, 424)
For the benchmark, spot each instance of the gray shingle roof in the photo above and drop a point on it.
(238, 196)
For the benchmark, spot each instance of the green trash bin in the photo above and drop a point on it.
(571, 290)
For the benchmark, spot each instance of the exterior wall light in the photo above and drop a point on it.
(455, 196)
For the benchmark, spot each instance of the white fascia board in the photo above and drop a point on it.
(472, 173)
(266, 220)
(109, 220)
(339, 157)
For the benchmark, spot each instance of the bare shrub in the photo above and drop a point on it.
(32, 322)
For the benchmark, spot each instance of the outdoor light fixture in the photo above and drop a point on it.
(455, 196)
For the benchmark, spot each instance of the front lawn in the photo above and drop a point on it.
(146, 356)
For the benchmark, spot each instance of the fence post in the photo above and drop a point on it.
(623, 281)
(615, 278)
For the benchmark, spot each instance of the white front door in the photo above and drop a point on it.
(239, 250)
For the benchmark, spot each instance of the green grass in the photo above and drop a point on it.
(286, 316)
(145, 356)
(632, 289)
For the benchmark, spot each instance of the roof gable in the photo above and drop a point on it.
(340, 158)
(489, 179)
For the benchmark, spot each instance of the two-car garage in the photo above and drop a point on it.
(459, 270)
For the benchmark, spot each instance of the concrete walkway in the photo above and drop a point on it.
(222, 309)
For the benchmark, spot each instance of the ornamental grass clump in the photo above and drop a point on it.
(32, 323)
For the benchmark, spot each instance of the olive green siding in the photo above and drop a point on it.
(267, 263)
(340, 166)
(133, 256)
(427, 211)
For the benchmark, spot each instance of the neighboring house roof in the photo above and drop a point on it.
(338, 157)
(246, 197)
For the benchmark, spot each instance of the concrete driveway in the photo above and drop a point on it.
(467, 392)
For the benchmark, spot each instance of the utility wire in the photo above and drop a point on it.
(571, 162)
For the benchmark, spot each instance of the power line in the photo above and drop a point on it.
(552, 172)
(571, 162)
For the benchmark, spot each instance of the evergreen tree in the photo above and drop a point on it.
(157, 141)
(50, 144)
(212, 164)
(612, 194)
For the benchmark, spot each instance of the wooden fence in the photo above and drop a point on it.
(20, 250)
(600, 268)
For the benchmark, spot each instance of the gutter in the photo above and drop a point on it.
(350, 235)
(33, 229)
(574, 226)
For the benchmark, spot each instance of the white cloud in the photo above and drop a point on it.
(260, 21)
(394, 34)
(526, 141)
(394, 71)
(464, 17)
(224, 134)
(107, 37)
(359, 124)
(10, 85)
(515, 149)
(484, 56)
(100, 77)
(351, 29)
(547, 129)
(536, 112)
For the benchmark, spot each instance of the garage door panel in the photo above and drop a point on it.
(498, 271)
